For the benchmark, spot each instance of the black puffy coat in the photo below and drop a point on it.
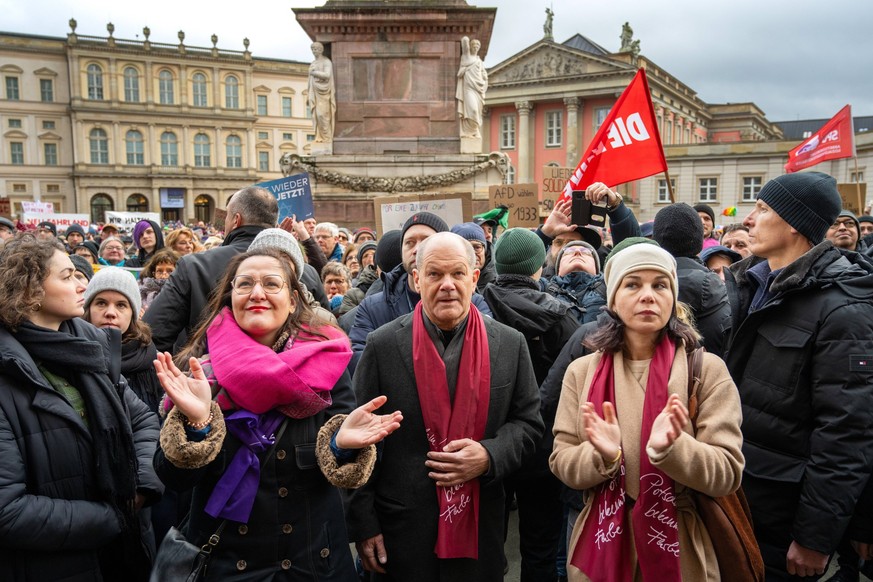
(803, 364)
(51, 525)
(297, 528)
(703, 291)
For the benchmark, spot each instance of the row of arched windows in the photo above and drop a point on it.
(100, 203)
(135, 149)
(166, 87)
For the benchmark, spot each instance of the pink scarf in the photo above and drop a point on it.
(603, 551)
(445, 421)
(296, 381)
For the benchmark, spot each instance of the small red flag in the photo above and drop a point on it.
(835, 140)
(626, 147)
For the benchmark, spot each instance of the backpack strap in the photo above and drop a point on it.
(695, 373)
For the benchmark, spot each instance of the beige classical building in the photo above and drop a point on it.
(102, 123)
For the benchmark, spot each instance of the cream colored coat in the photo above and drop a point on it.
(711, 463)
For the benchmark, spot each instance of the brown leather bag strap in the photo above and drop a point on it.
(695, 374)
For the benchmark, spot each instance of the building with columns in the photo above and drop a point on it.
(102, 123)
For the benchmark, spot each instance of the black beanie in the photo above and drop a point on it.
(808, 201)
(679, 230)
(50, 226)
(388, 252)
(427, 219)
(369, 245)
(83, 266)
(706, 208)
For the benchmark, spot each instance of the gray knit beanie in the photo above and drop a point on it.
(118, 280)
(519, 251)
(578, 243)
(808, 201)
(280, 240)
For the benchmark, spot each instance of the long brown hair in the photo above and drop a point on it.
(609, 335)
(221, 297)
(24, 267)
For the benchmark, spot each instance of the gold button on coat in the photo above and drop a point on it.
(287, 528)
(324, 552)
(283, 492)
(280, 454)
(286, 564)
(241, 565)
(243, 529)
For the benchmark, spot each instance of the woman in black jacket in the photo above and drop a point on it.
(75, 442)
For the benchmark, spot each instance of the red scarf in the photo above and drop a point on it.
(603, 551)
(446, 421)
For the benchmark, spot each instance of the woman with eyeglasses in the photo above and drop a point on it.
(112, 252)
(273, 372)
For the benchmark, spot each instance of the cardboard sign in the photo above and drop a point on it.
(854, 197)
(61, 221)
(522, 201)
(6, 207)
(294, 194)
(219, 217)
(127, 220)
(393, 211)
(554, 180)
(38, 207)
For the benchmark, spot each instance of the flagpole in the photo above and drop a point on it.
(669, 186)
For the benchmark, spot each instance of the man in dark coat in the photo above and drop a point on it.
(398, 296)
(179, 306)
(801, 354)
(425, 483)
(546, 323)
(679, 231)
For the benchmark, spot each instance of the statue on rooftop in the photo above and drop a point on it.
(547, 27)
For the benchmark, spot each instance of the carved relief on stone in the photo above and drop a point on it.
(545, 64)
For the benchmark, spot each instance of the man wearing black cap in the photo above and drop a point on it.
(801, 355)
(707, 217)
(46, 231)
(399, 295)
(74, 235)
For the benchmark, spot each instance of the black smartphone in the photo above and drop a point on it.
(584, 213)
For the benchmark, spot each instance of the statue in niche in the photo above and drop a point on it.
(322, 94)
(547, 27)
(472, 84)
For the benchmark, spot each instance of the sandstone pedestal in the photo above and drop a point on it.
(471, 145)
(321, 148)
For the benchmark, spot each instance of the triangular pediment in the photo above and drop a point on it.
(45, 72)
(262, 89)
(547, 60)
(50, 135)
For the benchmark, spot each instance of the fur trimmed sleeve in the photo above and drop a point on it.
(349, 475)
(187, 454)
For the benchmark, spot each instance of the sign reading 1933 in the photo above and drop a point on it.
(522, 201)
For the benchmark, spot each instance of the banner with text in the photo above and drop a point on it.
(626, 147)
(61, 221)
(392, 211)
(835, 140)
(31, 207)
(127, 220)
(554, 180)
(522, 201)
(294, 194)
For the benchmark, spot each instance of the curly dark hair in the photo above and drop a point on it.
(609, 335)
(221, 297)
(24, 267)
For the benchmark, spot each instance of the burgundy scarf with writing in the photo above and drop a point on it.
(603, 550)
(446, 421)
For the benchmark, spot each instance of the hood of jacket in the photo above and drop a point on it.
(516, 301)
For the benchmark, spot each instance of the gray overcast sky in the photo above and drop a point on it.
(796, 59)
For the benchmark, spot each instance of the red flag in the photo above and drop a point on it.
(626, 147)
(835, 140)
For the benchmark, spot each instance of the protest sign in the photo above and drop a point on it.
(294, 194)
(61, 221)
(554, 180)
(521, 199)
(32, 207)
(392, 211)
(127, 220)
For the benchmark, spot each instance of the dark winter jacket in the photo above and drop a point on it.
(140, 259)
(584, 291)
(394, 300)
(180, 304)
(357, 293)
(488, 272)
(52, 526)
(803, 364)
(703, 291)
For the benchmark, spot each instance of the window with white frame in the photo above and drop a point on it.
(99, 146)
(169, 149)
(263, 161)
(50, 154)
(95, 81)
(751, 186)
(286, 107)
(708, 189)
(510, 174)
(600, 114)
(12, 92)
(234, 152)
(166, 91)
(507, 132)
(48, 124)
(202, 151)
(231, 92)
(554, 128)
(199, 90)
(262, 105)
(135, 148)
(131, 85)
(46, 90)
(16, 151)
(664, 191)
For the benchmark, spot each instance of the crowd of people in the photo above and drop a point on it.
(279, 391)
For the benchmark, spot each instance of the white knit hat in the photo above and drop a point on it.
(280, 240)
(639, 257)
(118, 280)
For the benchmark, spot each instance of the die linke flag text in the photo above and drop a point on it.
(626, 147)
(835, 139)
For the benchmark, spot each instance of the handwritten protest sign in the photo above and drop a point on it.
(61, 221)
(127, 220)
(522, 201)
(392, 211)
(38, 207)
(554, 180)
(294, 194)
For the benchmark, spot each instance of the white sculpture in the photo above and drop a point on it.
(472, 84)
(322, 95)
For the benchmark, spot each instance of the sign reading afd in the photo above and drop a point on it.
(294, 194)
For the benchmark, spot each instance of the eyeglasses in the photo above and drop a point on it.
(245, 284)
(848, 223)
(113, 248)
(477, 246)
(577, 251)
